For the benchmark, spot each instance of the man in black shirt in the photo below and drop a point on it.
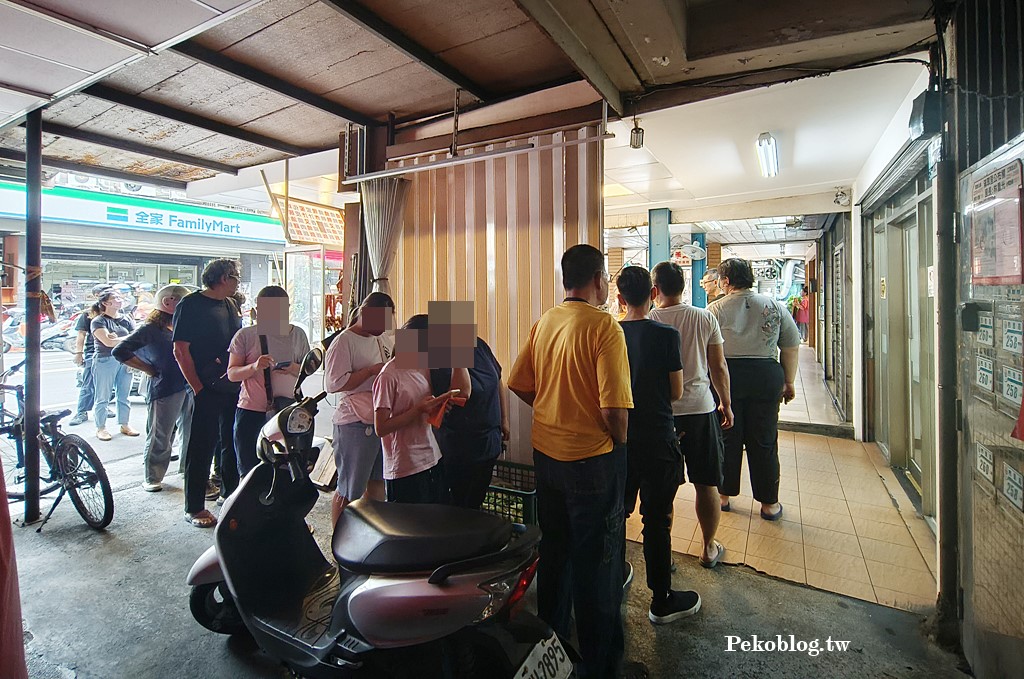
(204, 323)
(654, 462)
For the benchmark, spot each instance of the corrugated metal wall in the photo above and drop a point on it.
(493, 232)
(989, 113)
(989, 77)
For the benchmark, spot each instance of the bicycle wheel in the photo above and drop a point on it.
(86, 480)
(14, 470)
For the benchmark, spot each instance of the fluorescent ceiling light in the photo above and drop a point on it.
(614, 190)
(768, 155)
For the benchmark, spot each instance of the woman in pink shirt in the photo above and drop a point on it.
(402, 403)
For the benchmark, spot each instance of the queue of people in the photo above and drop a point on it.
(622, 410)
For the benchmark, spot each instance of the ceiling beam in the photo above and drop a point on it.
(369, 21)
(109, 142)
(164, 111)
(225, 64)
(81, 168)
(578, 30)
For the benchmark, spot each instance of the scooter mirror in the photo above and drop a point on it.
(310, 364)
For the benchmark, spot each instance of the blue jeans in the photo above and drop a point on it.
(85, 395)
(246, 433)
(107, 374)
(580, 511)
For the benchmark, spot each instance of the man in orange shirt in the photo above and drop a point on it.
(574, 372)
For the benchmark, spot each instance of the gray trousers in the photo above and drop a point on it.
(166, 415)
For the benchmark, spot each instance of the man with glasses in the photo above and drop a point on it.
(710, 284)
(204, 323)
(574, 372)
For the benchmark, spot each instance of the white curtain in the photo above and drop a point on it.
(383, 207)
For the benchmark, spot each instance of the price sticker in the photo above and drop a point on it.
(984, 374)
(985, 463)
(985, 333)
(1013, 385)
(1013, 486)
(1013, 336)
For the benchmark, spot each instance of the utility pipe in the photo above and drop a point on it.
(33, 288)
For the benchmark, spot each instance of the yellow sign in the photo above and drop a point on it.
(881, 288)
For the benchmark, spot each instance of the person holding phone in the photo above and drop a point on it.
(402, 406)
(272, 348)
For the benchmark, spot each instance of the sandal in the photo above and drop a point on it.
(201, 519)
(771, 517)
(718, 557)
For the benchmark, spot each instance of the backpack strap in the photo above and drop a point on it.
(266, 375)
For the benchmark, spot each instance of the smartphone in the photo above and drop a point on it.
(454, 392)
(281, 365)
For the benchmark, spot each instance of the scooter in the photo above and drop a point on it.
(413, 590)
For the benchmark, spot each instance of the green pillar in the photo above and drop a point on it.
(698, 268)
(659, 246)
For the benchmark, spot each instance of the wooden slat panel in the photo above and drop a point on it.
(493, 232)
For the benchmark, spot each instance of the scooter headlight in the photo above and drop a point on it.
(299, 421)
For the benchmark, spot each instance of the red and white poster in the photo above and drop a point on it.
(996, 228)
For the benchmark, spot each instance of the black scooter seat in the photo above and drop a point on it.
(389, 537)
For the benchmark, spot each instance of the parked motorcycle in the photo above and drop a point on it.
(53, 335)
(414, 590)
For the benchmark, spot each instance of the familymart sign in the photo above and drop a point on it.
(75, 206)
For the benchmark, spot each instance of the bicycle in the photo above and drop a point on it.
(72, 464)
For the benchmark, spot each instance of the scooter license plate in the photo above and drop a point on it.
(547, 660)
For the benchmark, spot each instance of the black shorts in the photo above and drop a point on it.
(700, 439)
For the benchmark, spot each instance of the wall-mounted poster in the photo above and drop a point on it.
(996, 232)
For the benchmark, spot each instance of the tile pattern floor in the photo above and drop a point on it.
(813, 403)
(848, 526)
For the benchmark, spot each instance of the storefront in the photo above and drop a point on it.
(94, 238)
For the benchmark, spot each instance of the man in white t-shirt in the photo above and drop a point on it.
(698, 421)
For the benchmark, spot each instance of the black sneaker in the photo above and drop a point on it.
(677, 605)
(627, 575)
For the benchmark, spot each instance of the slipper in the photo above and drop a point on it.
(771, 517)
(718, 557)
(727, 507)
(201, 519)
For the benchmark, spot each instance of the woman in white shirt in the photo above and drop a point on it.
(354, 359)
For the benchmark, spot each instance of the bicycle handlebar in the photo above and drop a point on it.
(13, 369)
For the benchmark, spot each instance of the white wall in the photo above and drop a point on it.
(891, 141)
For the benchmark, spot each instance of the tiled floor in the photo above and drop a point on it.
(812, 404)
(847, 526)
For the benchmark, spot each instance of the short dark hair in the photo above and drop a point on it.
(272, 291)
(634, 284)
(580, 264)
(738, 271)
(417, 322)
(669, 278)
(216, 270)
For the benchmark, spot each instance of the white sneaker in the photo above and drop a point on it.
(152, 487)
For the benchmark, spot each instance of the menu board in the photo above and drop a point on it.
(996, 232)
(313, 223)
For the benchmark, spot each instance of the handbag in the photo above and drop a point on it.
(275, 404)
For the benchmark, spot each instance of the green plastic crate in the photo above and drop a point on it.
(513, 493)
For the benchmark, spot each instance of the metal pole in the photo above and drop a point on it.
(948, 440)
(33, 286)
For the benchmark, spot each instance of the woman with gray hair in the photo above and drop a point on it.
(150, 350)
(757, 330)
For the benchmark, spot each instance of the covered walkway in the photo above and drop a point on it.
(813, 403)
(848, 526)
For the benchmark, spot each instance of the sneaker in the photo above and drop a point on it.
(220, 501)
(677, 605)
(128, 431)
(103, 435)
(627, 575)
(78, 419)
(152, 487)
(212, 490)
(111, 414)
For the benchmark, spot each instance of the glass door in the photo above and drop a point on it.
(912, 304)
(838, 334)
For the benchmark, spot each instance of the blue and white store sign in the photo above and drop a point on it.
(74, 206)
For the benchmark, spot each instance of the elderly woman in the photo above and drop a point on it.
(109, 326)
(150, 350)
(756, 330)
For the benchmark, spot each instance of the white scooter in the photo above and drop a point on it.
(413, 591)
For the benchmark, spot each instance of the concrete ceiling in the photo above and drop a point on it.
(217, 86)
